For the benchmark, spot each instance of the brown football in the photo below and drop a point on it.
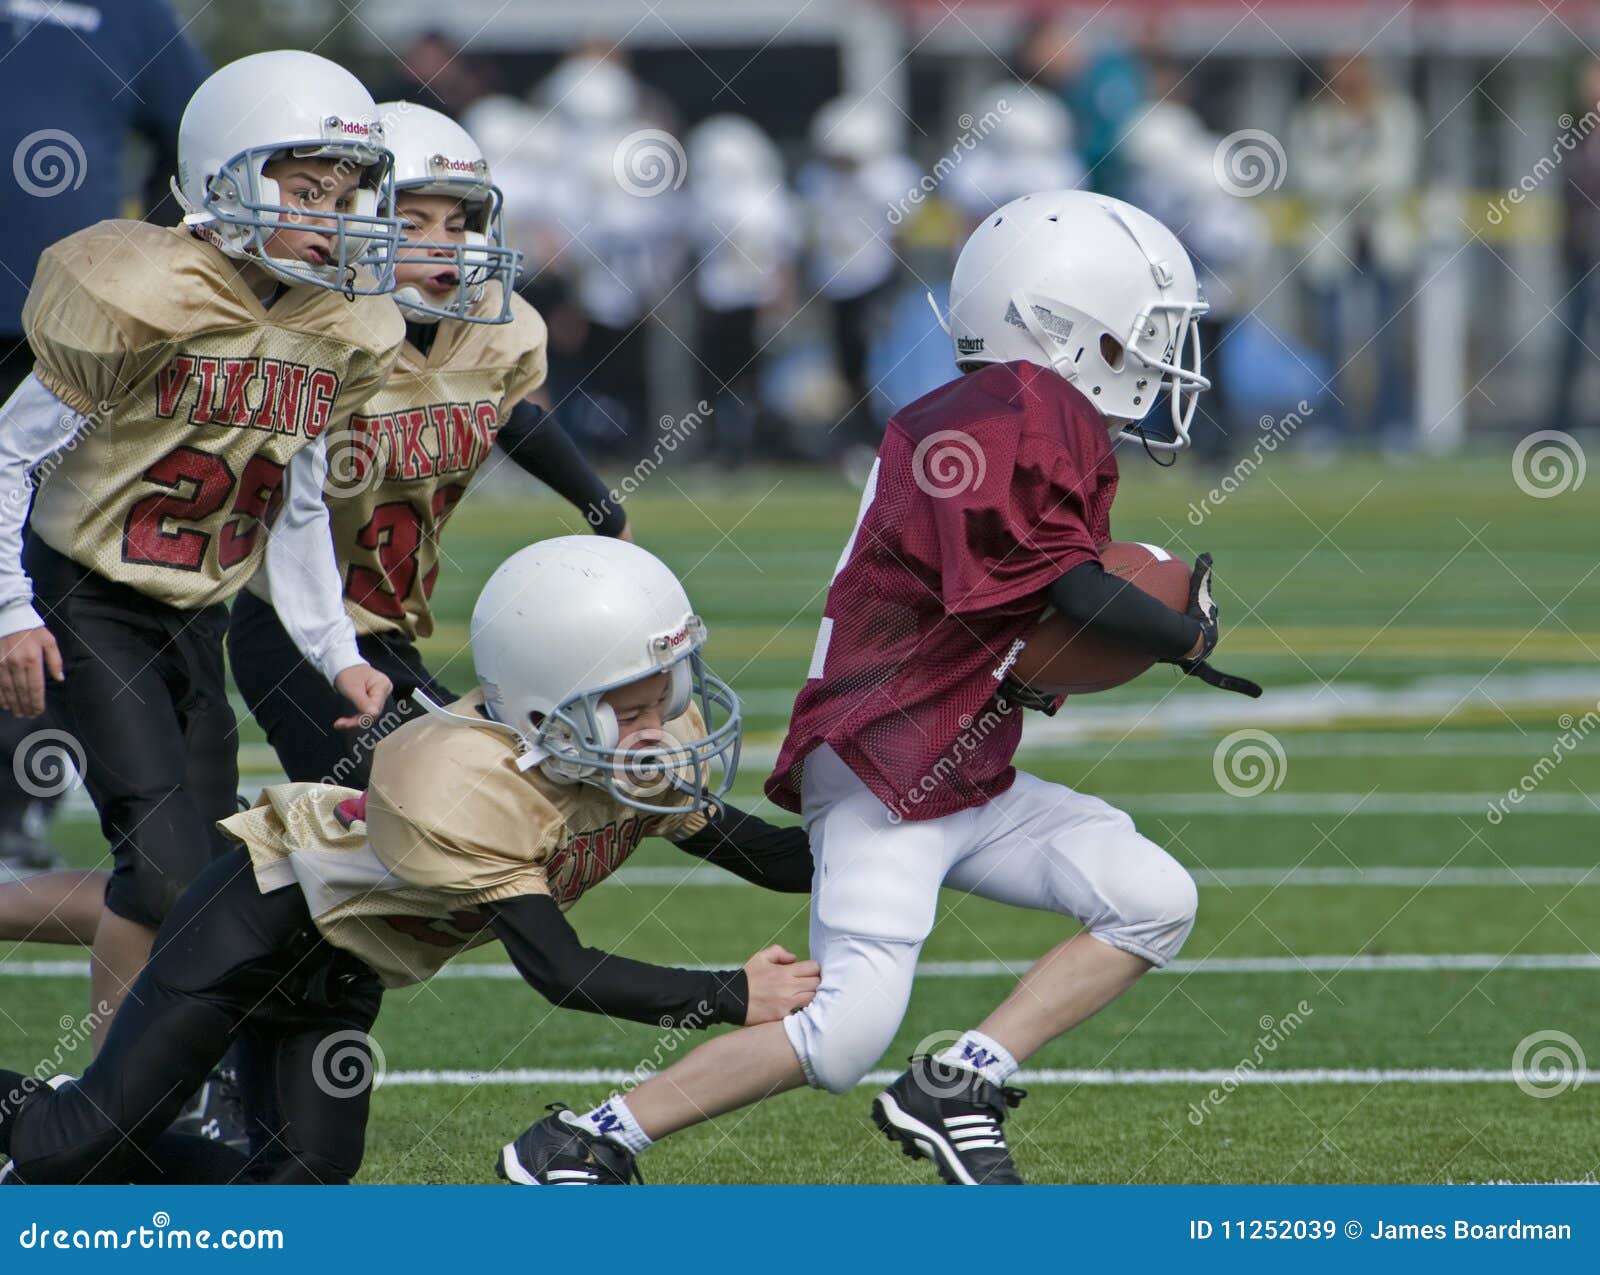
(1066, 659)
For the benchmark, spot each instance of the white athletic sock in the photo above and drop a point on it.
(612, 1119)
(982, 1054)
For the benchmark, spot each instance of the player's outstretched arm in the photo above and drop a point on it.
(539, 445)
(762, 853)
(552, 959)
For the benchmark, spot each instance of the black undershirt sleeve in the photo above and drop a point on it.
(549, 955)
(538, 444)
(1090, 595)
(763, 854)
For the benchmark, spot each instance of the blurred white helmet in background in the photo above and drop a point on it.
(590, 91)
(730, 148)
(855, 129)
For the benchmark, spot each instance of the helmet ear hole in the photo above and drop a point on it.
(1112, 351)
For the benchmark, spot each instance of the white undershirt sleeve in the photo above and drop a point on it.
(303, 573)
(34, 425)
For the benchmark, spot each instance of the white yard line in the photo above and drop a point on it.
(705, 875)
(1411, 964)
(1173, 1076)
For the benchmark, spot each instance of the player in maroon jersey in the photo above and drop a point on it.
(1069, 313)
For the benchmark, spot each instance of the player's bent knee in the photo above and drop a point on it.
(1149, 908)
(836, 1047)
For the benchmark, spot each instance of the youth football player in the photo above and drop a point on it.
(473, 352)
(183, 380)
(1069, 312)
(595, 724)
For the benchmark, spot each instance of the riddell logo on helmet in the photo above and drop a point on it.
(675, 640)
(455, 165)
(351, 128)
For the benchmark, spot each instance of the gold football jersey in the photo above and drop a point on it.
(197, 398)
(449, 824)
(410, 452)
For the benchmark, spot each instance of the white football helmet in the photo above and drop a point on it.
(854, 129)
(433, 155)
(590, 91)
(565, 620)
(1047, 276)
(729, 148)
(266, 106)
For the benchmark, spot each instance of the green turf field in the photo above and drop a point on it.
(1422, 629)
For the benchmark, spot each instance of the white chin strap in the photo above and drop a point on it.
(528, 756)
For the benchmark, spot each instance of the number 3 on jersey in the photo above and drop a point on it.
(396, 533)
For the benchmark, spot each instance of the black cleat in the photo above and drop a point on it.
(952, 1116)
(216, 1111)
(556, 1152)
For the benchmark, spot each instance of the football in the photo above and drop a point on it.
(1064, 658)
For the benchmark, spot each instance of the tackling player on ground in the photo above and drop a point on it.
(1069, 312)
(183, 383)
(595, 725)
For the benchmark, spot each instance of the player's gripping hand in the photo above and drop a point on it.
(778, 983)
(1203, 607)
(25, 658)
(367, 689)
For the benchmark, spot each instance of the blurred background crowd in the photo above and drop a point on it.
(1396, 208)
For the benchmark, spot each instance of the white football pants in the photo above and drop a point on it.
(876, 886)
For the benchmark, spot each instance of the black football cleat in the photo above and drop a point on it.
(557, 1152)
(952, 1116)
(216, 1111)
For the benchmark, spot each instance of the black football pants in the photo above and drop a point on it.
(230, 962)
(146, 700)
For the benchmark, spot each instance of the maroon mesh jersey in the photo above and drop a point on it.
(985, 492)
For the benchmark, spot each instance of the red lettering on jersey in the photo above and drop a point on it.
(281, 405)
(416, 463)
(170, 383)
(237, 375)
(324, 387)
(206, 366)
(487, 418)
(271, 369)
(463, 447)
